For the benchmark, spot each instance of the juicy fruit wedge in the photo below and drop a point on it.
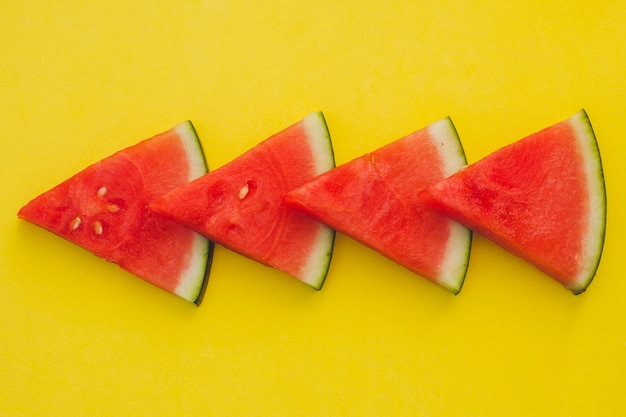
(240, 205)
(541, 198)
(373, 200)
(104, 209)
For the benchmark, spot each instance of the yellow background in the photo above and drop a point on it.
(82, 79)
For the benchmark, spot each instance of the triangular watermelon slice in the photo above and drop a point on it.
(240, 205)
(541, 198)
(104, 209)
(373, 200)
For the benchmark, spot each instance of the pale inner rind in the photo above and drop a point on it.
(454, 266)
(192, 277)
(321, 146)
(320, 256)
(189, 139)
(451, 152)
(593, 240)
(319, 140)
(456, 257)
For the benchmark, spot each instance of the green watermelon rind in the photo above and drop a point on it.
(456, 260)
(592, 162)
(194, 279)
(318, 264)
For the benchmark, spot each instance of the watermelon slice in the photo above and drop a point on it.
(541, 198)
(240, 205)
(373, 200)
(104, 209)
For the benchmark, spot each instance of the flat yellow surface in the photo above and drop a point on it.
(82, 79)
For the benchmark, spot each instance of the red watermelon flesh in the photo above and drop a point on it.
(541, 198)
(373, 200)
(104, 209)
(240, 205)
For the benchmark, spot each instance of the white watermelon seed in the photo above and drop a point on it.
(97, 227)
(75, 223)
(102, 191)
(113, 208)
(243, 192)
